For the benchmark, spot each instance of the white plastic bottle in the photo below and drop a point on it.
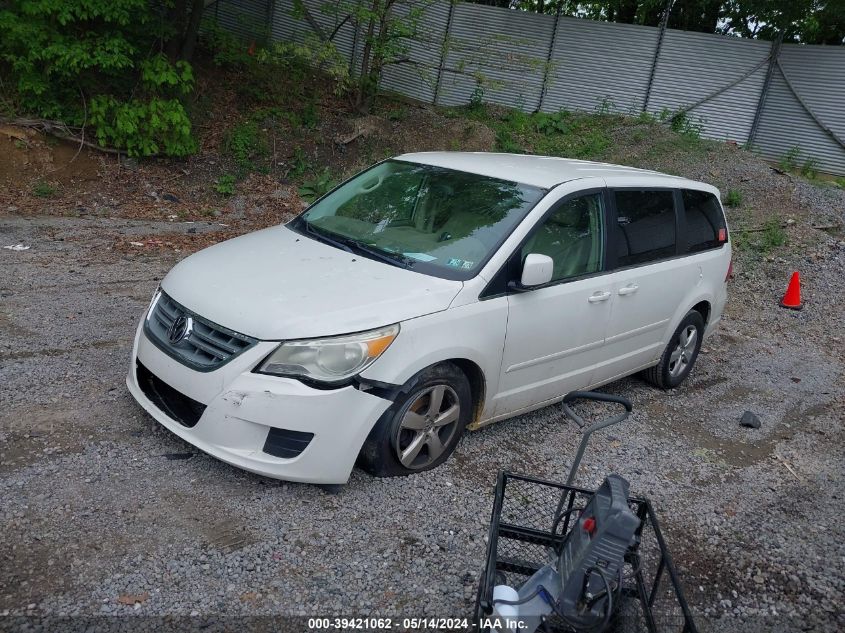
(507, 614)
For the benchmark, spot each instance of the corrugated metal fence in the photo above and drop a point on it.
(776, 99)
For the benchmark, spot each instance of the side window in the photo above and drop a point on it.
(645, 226)
(705, 223)
(573, 236)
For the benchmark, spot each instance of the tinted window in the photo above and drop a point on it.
(705, 224)
(572, 236)
(645, 226)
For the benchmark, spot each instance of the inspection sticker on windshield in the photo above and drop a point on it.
(461, 263)
(423, 257)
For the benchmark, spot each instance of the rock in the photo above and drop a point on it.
(750, 420)
(170, 197)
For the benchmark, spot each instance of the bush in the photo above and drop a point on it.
(95, 63)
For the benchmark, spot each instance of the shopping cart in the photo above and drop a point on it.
(531, 520)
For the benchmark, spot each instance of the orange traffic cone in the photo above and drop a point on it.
(792, 298)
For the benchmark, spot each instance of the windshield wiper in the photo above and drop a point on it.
(397, 259)
(350, 245)
(325, 238)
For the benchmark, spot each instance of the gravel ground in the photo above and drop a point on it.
(104, 512)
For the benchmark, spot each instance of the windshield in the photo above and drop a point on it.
(437, 221)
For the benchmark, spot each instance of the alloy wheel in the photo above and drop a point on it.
(681, 356)
(427, 427)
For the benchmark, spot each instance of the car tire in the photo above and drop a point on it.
(423, 426)
(680, 354)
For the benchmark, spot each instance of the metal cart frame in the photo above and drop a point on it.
(526, 530)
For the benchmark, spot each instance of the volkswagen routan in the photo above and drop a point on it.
(429, 294)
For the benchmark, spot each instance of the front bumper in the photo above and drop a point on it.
(241, 409)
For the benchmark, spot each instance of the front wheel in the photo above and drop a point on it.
(680, 354)
(423, 426)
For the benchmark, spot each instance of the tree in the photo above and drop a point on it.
(185, 16)
(807, 21)
(98, 65)
(385, 27)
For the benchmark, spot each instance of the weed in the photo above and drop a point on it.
(476, 99)
(551, 123)
(245, 142)
(733, 198)
(840, 182)
(505, 142)
(299, 165)
(398, 114)
(310, 115)
(809, 169)
(773, 235)
(21, 144)
(318, 186)
(43, 189)
(225, 185)
(789, 161)
(605, 107)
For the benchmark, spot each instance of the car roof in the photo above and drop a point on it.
(545, 171)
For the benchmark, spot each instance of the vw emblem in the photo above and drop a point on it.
(180, 329)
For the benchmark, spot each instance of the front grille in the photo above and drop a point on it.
(205, 345)
(285, 443)
(186, 411)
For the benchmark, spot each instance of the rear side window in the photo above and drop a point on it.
(705, 222)
(645, 226)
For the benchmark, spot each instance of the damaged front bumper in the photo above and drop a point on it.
(277, 427)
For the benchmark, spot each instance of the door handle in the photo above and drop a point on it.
(596, 297)
(629, 289)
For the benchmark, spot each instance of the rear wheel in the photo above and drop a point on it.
(423, 426)
(680, 354)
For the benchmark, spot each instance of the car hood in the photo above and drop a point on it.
(276, 284)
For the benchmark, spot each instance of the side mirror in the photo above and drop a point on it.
(537, 270)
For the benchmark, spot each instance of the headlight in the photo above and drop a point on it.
(332, 359)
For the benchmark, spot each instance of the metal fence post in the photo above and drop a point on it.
(664, 21)
(271, 15)
(354, 52)
(774, 53)
(443, 52)
(547, 69)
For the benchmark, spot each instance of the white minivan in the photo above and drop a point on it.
(430, 293)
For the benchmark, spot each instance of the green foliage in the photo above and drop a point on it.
(682, 123)
(733, 198)
(398, 114)
(299, 164)
(318, 186)
(789, 161)
(225, 185)
(142, 127)
(551, 123)
(840, 182)
(773, 235)
(810, 169)
(476, 99)
(95, 63)
(605, 106)
(244, 143)
(43, 189)
(226, 50)
(762, 242)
